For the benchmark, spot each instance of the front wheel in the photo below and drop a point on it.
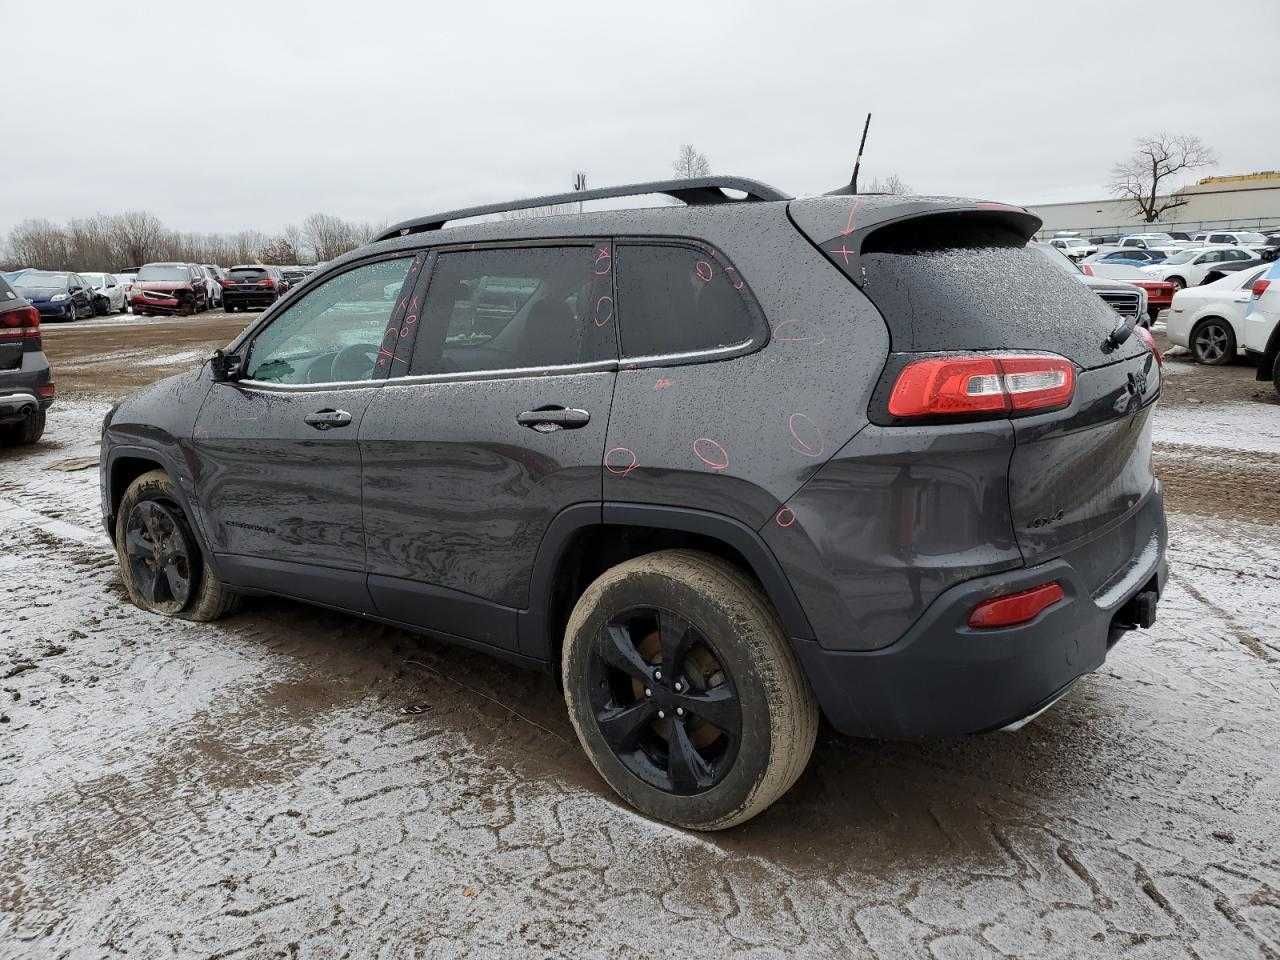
(1178, 283)
(1213, 342)
(161, 562)
(684, 691)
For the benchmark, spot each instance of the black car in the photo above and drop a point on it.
(722, 467)
(295, 275)
(252, 287)
(26, 382)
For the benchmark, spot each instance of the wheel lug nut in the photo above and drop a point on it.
(662, 715)
(648, 692)
(679, 711)
(657, 674)
(679, 686)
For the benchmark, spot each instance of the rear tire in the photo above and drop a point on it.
(723, 648)
(152, 503)
(1213, 342)
(26, 432)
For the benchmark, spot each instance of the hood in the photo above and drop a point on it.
(1105, 283)
(37, 294)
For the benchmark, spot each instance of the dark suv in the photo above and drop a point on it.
(721, 467)
(26, 383)
(252, 286)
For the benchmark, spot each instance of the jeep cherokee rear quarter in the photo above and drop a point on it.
(669, 454)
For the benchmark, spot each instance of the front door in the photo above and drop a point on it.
(278, 462)
(496, 425)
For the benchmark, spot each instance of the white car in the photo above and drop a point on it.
(1150, 241)
(1209, 320)
(106, 289)
(1261, 319)
(1230, 238)
(1074, 247)
(1187, 268)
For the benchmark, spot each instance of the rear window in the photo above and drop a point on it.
(159, 272)
(246, 273)
(675, 299)
(957, 282)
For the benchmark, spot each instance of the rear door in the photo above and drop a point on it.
(955, 278)
(278, 460)
(495, 424)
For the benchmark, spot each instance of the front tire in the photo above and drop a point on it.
(684, 691)
(1178, 284)
(161, 562)
(1213, 342)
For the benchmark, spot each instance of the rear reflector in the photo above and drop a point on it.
(1016, 608)
(982, 383)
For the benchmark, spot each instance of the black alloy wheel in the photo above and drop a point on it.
(160, 555)
(663, 700)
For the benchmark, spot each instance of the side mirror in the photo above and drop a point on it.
(225, 367)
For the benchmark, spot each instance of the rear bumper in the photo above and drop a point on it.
(237, 298)
(20, 388)
(944, 678)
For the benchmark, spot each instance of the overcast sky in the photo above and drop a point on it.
(219, 116)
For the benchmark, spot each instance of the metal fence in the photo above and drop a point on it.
(1251, 224)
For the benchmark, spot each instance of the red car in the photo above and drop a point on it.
(1159, 292)
(169, 288)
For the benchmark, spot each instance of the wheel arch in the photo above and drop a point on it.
(123, 466)
(586, 539)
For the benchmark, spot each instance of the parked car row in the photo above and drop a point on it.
(1078, 247)
(60, 295)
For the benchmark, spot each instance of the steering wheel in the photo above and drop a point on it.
(354, 362)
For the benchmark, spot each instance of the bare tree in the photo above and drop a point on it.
(137, 236)
(39, 243)
(1157, 160)
(690, 163)
(890, 184)
(278, 250)
(328, 236)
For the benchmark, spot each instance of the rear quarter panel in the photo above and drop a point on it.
(740, 436)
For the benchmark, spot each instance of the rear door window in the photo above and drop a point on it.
(678, 299)
(517, 308)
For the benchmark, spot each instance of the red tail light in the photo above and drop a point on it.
(1260, 286)
(226, 281)
(1016, 608)
(1087, 270)
(20, 324)
(267, 283)
(982, 383)
(1145, 335)
(45, 391)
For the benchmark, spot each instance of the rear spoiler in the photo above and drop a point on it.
(843, 227)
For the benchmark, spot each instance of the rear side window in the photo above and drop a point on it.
(6, 291)
(516, 308)
(676, 299)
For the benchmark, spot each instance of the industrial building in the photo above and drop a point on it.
(1245, 202)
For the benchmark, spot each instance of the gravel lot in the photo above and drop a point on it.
(295, 783)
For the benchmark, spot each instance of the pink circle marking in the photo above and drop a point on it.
(785, 517)
(712, 453)
(609, 316)
(737, 282)
(814, 446)
(703, 269)
(602, 257)
(619, 469)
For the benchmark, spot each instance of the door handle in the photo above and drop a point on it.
(549, 419)
(328, 419)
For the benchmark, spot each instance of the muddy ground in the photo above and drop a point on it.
(296, 783)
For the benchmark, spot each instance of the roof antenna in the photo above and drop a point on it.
(853, 183)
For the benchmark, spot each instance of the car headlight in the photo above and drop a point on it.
(58, 297)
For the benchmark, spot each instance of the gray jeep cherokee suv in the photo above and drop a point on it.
(724, 467)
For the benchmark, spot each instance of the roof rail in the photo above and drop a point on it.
(697, 191)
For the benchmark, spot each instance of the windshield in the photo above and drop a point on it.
(41, 280)
(1058, 258)
(94, 279)
(1184, 257)
(159, 271)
